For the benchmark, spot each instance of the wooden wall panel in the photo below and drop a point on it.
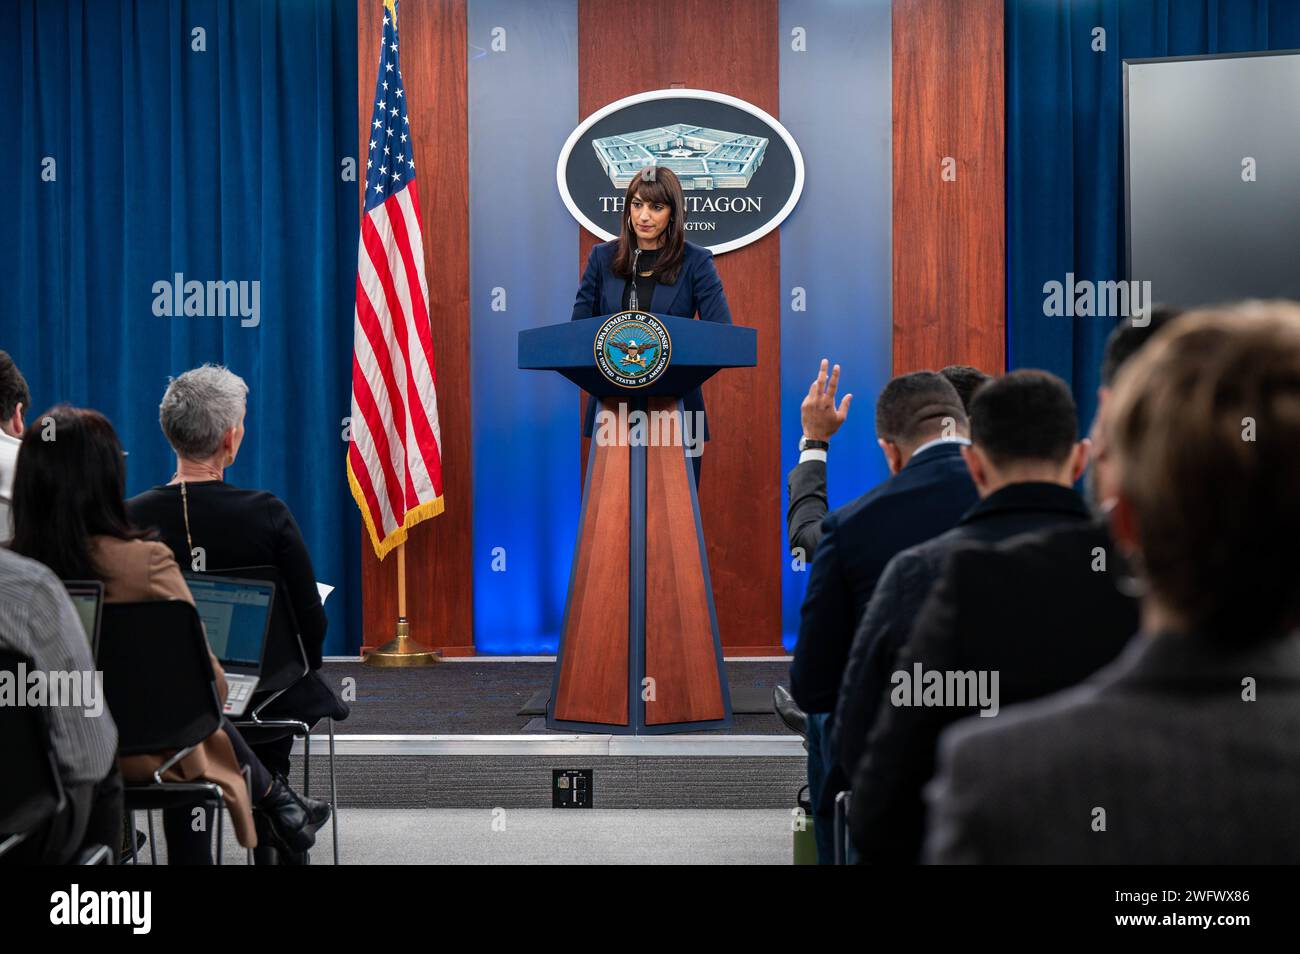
(438, 551)
(730, 46)
(949, 237)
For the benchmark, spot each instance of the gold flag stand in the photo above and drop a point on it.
(402, 650)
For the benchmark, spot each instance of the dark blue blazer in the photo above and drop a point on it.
(921, 501)
(697, 289)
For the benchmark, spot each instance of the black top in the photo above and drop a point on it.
(645, 284)
(236, 528)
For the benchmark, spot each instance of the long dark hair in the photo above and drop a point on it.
(68, 487)
(654, 184)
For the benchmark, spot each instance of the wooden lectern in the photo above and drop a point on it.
(639, 649)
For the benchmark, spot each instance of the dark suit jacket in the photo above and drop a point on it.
(697, 289)
(1162, 741)
(907, 580)
(1041, 611)
(922, 500)
(807, 485)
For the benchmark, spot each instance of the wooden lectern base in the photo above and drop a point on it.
(640, 651)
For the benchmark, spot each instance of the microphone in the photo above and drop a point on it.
(632, 303)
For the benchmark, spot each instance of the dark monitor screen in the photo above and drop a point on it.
(1213, 176)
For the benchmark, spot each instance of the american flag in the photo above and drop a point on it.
(395, 457)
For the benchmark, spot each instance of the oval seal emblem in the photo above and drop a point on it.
(633, 349)
(741, 170)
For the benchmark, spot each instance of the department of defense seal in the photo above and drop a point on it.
(632, 349)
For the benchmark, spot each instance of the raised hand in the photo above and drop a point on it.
(818, 413)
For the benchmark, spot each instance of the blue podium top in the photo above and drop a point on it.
(628, 354)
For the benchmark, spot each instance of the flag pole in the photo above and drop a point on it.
(402, 650)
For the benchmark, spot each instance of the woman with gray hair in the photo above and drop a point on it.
(212, 525)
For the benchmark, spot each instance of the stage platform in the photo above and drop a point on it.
(467, 734)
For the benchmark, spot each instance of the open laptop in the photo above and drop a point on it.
(88, 598)
(236, 615)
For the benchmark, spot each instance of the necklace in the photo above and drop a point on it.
(213, 474)
(185, 509)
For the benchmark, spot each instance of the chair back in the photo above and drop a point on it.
(158, 678)
(31, 792)
(284, 661)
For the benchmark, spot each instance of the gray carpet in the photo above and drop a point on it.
(487, 698)
(547, 836)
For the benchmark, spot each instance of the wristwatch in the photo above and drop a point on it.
(807, 444)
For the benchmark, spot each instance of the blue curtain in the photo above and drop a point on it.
(206, 138)
(1065, 178)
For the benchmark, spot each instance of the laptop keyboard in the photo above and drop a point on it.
(236, 692)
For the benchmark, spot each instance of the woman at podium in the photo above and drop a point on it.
(651, 267)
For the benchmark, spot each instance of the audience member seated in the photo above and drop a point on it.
(210, 524)
(807, 486)
(920, 427)
(69, 515)
(966, 380)
(38, 621)
(990, 611)
(1024, 458)
(821, 418)
(14, 399)
(1185, 750)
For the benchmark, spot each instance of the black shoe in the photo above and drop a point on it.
(318, 812)
(288, 821)
(789, 713)
(295, 858)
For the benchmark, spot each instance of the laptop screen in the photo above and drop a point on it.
(235, 614)
(86, 598)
